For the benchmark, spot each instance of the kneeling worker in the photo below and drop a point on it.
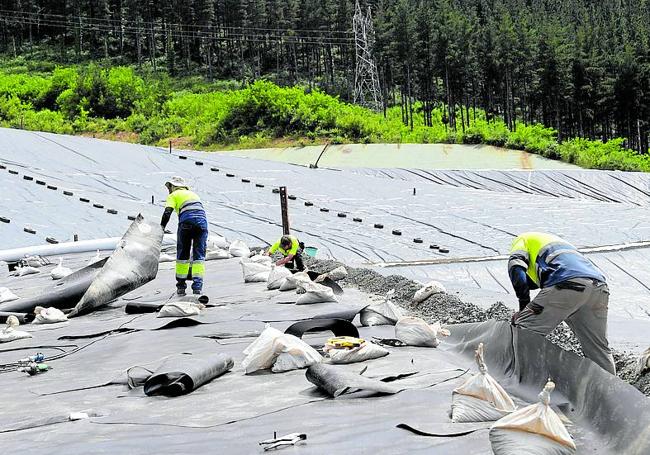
(291, 249)
(572, 289)
(192, 233)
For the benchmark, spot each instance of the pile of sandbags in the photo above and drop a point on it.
(414, 331)
(239, 249)
(533, 430)
(49, 315)
(315, 293)
(480, 398)
(279, 352)
(433, 287)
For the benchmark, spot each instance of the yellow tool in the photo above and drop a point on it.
(344, 342)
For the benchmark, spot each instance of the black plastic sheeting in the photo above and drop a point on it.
(133, 263)
(183, 375)
(340, 327)
(63, 295)
(90, 356)
(616, 411)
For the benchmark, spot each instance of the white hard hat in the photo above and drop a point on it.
(176, 181)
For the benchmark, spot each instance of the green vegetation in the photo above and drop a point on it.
(119, 103)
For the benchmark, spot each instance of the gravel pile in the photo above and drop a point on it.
(449, 309)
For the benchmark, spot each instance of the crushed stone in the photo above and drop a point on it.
(449, 309)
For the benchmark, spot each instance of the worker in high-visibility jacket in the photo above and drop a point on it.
(192, 234)
(572, 289)
(291, 249)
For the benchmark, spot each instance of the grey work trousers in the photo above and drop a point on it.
(585, 311)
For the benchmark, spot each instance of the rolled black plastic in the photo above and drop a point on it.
(179, 376)
(23, 318)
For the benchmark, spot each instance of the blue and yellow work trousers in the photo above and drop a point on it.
(190, 253)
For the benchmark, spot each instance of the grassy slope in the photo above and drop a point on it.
(119, 103)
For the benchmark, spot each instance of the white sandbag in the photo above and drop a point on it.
(432, 287)
(34, 261)
(274, 347)
(165, 257)
(261, 259)
(49, 315)
(217, 254)
(26, 270)
(294, 280)
(95, 258)
(239, 249)
(277, 276)
(60, 271)
(255, 272)
(367, 351)
(642, 363)
(337, 274)
(533, 430)
(416, 332)
(381, 313)
(294, 354)
(6, 295)
(217, 242)
(180, 310)
(480, 398)
(315, 293)
(9, 333)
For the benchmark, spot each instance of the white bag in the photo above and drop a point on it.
(279, 351)
(9, 333)
(164, 257)
(6, 295)
(277, 276)
(217, 242)
(383, 313)
(367, 351)
(642, 363)
(239, 249)
(49, 315)
(261, 259)
(433, 287)
(416, 332)
(27, 270)
(533, 430)
(293, 281)
(480, 398)
(337, 274)
(95, 258)
(255, 272)
(180, 309)
(217, 254)
(59, 271)
(315, 293)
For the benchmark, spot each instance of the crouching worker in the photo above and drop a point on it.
(291, 249)
(572, 289)
(192, 234)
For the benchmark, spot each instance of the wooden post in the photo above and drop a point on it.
(170, 146)
(284, 206)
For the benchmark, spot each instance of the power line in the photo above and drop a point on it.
(121, 23)
(253, 38)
